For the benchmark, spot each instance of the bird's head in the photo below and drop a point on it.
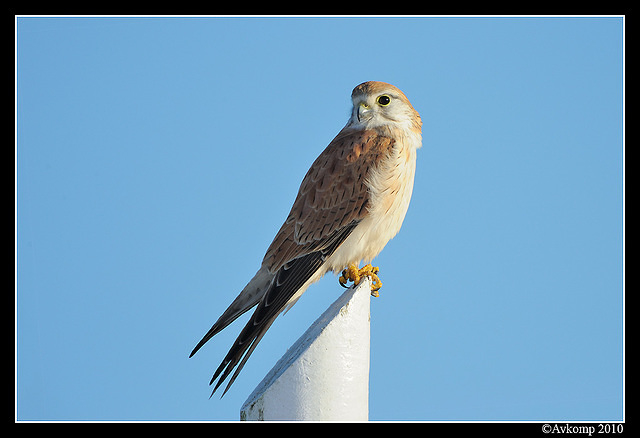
(378, 104)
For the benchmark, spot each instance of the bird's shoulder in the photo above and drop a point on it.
(351, 154)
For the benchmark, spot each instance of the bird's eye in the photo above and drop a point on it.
(384, 100)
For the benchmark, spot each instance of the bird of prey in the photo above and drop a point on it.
(351, 202)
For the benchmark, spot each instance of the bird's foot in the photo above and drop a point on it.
(352, 273)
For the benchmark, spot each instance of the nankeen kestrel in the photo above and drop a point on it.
(351, 202)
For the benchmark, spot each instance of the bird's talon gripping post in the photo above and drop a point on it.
(343, 279)
(352, 273)
(349, 274)
(376, 283)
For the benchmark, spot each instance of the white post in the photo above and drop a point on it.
(324, 375)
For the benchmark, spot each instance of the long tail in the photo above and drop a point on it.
(248, 298)
(289, 280)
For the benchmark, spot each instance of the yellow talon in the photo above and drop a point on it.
(352, 273)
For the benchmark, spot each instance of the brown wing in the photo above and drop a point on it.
(332, 195)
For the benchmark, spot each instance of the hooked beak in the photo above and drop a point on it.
(364, 112)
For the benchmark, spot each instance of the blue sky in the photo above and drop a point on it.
(157, 157)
